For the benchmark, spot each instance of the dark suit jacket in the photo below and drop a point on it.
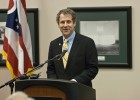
(82, 63)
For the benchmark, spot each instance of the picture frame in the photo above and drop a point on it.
(32, 14)
(111, 30)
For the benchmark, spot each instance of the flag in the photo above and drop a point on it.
(17, 47)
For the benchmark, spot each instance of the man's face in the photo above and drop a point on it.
(66, 25)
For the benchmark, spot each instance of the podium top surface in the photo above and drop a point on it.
(48, 81)
(77, 90)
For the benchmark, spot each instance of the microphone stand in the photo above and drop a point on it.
(10, 82)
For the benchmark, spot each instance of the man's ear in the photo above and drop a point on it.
(74, 23)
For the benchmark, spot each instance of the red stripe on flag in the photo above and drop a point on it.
(11, 57)
(27, 61)
(11, 4)
(23, 4)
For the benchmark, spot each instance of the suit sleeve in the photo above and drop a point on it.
(91, 63)
(51, 73)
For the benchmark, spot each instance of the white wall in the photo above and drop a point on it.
(110, 84)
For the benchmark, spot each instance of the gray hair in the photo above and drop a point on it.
(19, 96)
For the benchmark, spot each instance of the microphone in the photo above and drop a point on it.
(34, 76)
(62, 54)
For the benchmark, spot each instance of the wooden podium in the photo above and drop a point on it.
(50, 89)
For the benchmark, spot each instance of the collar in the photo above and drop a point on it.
(71, 38)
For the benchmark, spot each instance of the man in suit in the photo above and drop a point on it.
(82, 63)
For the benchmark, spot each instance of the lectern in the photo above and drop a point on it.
(50, 89)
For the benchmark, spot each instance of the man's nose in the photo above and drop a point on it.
(65, 24)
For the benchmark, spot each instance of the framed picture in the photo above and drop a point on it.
(32, 15)
(111, 30)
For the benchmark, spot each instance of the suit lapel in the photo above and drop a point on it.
(59, 50)
(73, 49)
(59, 45)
